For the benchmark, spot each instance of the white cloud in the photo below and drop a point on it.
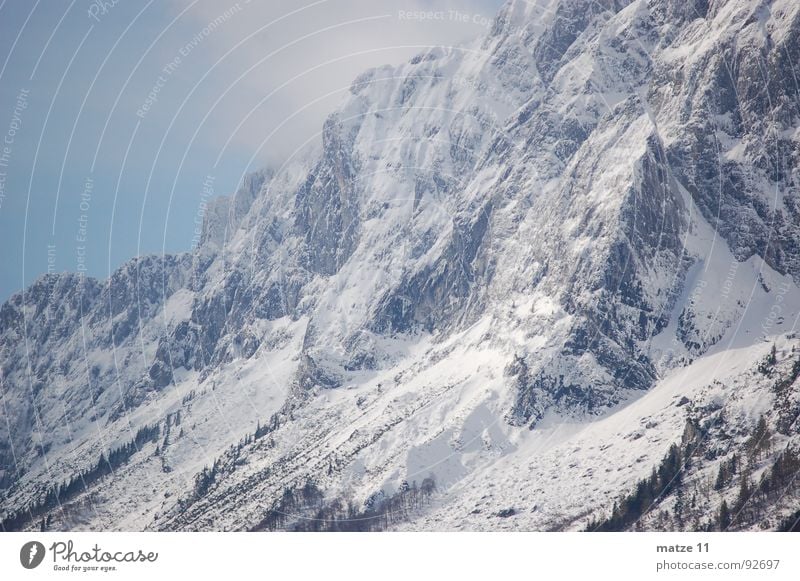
(299, 52)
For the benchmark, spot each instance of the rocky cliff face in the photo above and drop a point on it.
(524, 231)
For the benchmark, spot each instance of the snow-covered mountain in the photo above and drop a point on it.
(514, 274)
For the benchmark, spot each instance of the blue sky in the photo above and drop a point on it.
(113, 114)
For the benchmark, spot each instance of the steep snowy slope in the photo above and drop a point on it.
(497, 249)
(566, 475)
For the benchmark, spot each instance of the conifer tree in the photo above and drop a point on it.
(724, 516)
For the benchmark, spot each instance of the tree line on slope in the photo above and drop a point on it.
(650, 491)
(304, 509)
(750, 504)
(67, 490)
